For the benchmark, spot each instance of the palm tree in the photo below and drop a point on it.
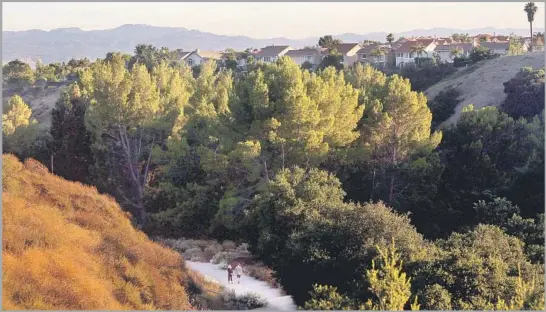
(456, 52)
(530, 9)
(418, 49)
(390, 38)
(377, 52)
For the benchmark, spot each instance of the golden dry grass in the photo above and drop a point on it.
(65, 246)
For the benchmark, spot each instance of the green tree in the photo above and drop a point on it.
(390, 286)
(20, 131)
(398, 125)
(479, 268)
(122, 113)
(456, 52)
(327, 298)
(17, 115)
(515, 46)
(531, 9)
(328, 42)
(45, 72)
(18, 73)
(492, 143)
(309, 236)
(71, 154)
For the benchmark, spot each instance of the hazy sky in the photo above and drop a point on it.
(264, 20)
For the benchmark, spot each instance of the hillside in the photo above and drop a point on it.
(41, 100)
(62, 44)
(65, 246)
(482, 83)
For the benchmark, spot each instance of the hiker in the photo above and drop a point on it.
(229, 274)
(239, 272)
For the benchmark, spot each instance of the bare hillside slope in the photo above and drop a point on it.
(482, 84)
(67, 247)
(40, 100)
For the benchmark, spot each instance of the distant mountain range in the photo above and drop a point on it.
(62, 44)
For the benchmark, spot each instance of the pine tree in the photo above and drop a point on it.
(389, 284)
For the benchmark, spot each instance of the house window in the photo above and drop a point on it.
(363, 56)
(190, 62)
(267, 59)
(308, 57)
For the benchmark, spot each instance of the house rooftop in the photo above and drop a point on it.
(495, 45)
(368, 48)
(405, 47)
(344, 48)
(302, 52)
(448, 47)
(271, 51)
(209, 54)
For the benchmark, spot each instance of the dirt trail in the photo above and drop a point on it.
(276, 300)
(483, 86)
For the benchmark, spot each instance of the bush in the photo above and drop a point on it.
(461, 61)
(525, 93)
(224, 257)
(422, 78)
(248, 301)
(480, 54)
(211, 251)
(194, 254)
(443, 105)
(262, 273)
(229, 245)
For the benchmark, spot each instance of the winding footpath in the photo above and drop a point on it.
(275, 299)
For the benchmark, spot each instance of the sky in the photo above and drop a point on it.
(266, 20)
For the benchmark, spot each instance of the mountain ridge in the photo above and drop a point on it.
(62, 44)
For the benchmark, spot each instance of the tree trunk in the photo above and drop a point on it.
(52, 164)
(373, 186)
(391, 190)
(531, 27)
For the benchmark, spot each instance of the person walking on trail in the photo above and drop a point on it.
(229, 274)
(239, 272)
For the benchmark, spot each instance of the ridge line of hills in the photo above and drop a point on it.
(62, 44)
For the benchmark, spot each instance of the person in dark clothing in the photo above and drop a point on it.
(230, 274)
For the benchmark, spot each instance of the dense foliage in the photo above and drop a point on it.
(525, 93)
(337, 179)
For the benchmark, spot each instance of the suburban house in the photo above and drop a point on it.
(375, 54)
(311, 55)
(500, 48)
(445, 53)
(404, 52)
(348, 51)
(197, 57)
(270, 54)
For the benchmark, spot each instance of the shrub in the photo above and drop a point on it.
(422, 78)
(480, 54)
(211, 250)
(262, 273)
(224, 257)
(248, 301)
(443, 105)
(525, 93)
(194, 254)
(229, 245)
